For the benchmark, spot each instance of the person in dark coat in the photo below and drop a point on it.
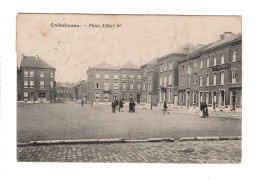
(133, 106)
(165, 107)
(113, 106)
(82, 102)
(121, 105)
(130, 106)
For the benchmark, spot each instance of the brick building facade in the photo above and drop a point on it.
(213, 74)
(35, 80)
(106, 83)
(65, 90)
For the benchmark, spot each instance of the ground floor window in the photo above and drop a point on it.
(106, 97)
(42, 94)
(97, 96)
(25, 95)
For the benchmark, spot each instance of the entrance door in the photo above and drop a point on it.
(214, 100)
(32, 97)
(234, 97)
(138, 98)
(188, 99)
(175, 101)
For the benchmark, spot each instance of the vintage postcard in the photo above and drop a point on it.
(129, 88)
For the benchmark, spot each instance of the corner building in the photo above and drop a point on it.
(213, 74)
(106, 83)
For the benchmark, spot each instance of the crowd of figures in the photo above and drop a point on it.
(118, 105)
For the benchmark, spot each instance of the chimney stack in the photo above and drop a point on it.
(226, 35)
(186, 49)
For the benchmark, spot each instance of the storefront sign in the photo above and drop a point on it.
(221, 67)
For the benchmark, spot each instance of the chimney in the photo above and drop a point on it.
(186, 49)
(226, 35)
(37, 57)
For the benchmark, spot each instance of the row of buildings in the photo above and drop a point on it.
(209, 73)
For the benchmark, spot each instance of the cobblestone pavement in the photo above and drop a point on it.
(161, 152)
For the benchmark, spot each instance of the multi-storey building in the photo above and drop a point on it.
(106, 82)
(64, 90)
(150, 82)
(213, 74)
(35, 80)
(168, 78)
(80, 89)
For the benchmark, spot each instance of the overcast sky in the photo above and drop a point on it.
(72, 50)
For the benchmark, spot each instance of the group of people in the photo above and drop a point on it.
(117, 105)
(204, 110)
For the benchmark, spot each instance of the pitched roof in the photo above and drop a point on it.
(32, 61)
(223, 41)
(129, 65)
(104, 65)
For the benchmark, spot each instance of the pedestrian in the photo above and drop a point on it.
(121, 105)
(133, 106)
(82, 102)
(113, 106)
(117, 103)
(130, 106)
(205, 110)
(165, 108)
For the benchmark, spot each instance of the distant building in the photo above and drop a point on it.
(64, 90)
(81, 89)
(213, 74)
(106, 82)
(35, 80)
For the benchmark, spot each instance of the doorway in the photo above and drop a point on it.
(138, 97)
(233, 96)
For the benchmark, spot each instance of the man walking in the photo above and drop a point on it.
(165, 108)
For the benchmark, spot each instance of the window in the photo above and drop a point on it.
(131, 76)
(97, 85)
(165, 81)
(222, 58)
(131, 86)
(170, 66)
(106, 76)
(97, 76)
(25, 74)
(115, 85)
(195, 79)
(182, 80)
(106, 85)
(201, 64)
(115, 76)
(207, 62)
(214, 60)
(25, 95)
(222, 78)
(25, 84)
(234, 76)
(41, 84)
(170, 80)
(139, 76)
(31, 73)
(195, 63)
(42, 74)
(200, 83)
(149, 86)
(124, 86)
(207, 97)
(97, 96)
(194, 95)
(234, 56)
(51, 74)
(165, 67)
(161, 81)
(138, 86)
(214, 79)
(144, 85)
(106, 97)
(188, 80)
(51, 84)
(31, 84)
(182, 67)
(161, 68)
(207, 79)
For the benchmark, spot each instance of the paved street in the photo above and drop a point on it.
(162, 152)
(71, 121)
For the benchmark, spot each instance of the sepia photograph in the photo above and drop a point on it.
(99, 88)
